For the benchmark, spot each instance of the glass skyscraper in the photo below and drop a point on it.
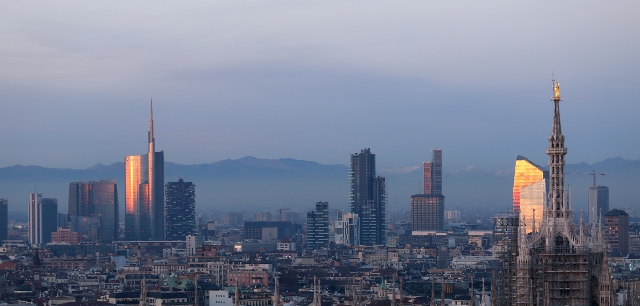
(180, 210)
(598, 203)
(368, 198)
(4, 219)
(144, 193)
(530, 183)
(96, 199)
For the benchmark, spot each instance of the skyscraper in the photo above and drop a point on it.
(318, 226)
(144, 192)
(180, 210)
(598, 203)
(4, 219)
(43, 221)
(96, 199)
(368, 198)
(427, 209)
(529, 191)
(557, 264)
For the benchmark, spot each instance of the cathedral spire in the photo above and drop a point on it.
(556, 206)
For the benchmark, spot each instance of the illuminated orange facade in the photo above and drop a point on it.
(529, 191)
(144, 193)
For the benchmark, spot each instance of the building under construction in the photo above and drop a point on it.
(556, 263)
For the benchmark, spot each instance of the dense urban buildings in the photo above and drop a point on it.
(616, 232)
(180, 210)
(4, 219)
(91, 201)
(427, 209)
(318, 227)
(144, 193)
(529, 191)
(43, 219)
(557, 264)
(598, 203)
(368, 198)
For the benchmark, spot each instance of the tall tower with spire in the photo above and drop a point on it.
(144, 192)
(556, 263)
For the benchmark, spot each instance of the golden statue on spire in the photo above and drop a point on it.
(556, 90)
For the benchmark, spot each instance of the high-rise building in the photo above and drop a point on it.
(368, 198)
(95, 199)
(4, 219)
(427, 209)
(180, 210)
(318, 227)
(43, 221)
(616, 231)
(557, 264)
(346, 229)
(529, 191)
(144, 193)
(598, 203)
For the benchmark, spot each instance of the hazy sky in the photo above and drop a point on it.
(317, 80)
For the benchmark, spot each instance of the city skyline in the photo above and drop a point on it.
(244, 85)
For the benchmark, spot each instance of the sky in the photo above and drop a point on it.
(317, 80)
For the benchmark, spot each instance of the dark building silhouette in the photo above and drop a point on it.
(180, 210)
(427, 209)
(94, 200)
(270, 230)
(368, 198)
(144, 193)
(318, 227)
(4, 219)
(598, 203)
(616, 231)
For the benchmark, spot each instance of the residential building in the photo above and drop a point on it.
(180, 210)
(144, 193)
(368, 198)
(616, 231)
(318, 227)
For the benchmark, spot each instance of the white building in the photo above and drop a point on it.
(219, 298)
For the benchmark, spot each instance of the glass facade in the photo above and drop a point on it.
(530, 183)
(427, 212)
(368, 198)
(4, 218)
(180, 210)
(96, 199)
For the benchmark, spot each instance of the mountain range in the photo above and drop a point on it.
(254, 184)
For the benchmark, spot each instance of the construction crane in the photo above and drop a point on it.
(280, 213)
(594, 174)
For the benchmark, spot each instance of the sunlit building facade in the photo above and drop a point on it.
(96, 199)
(144, 193)
(530, 183)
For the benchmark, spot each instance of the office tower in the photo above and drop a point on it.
(4, 219)
(427, 209)
(598, 203)
(95, 200)
(529, 191)
(43, 221)
(616, 231)
(271, 230)
(318, 227)
(557, 264)
(368, 198)
(144, 192)
(233, 219)
(180, 210)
